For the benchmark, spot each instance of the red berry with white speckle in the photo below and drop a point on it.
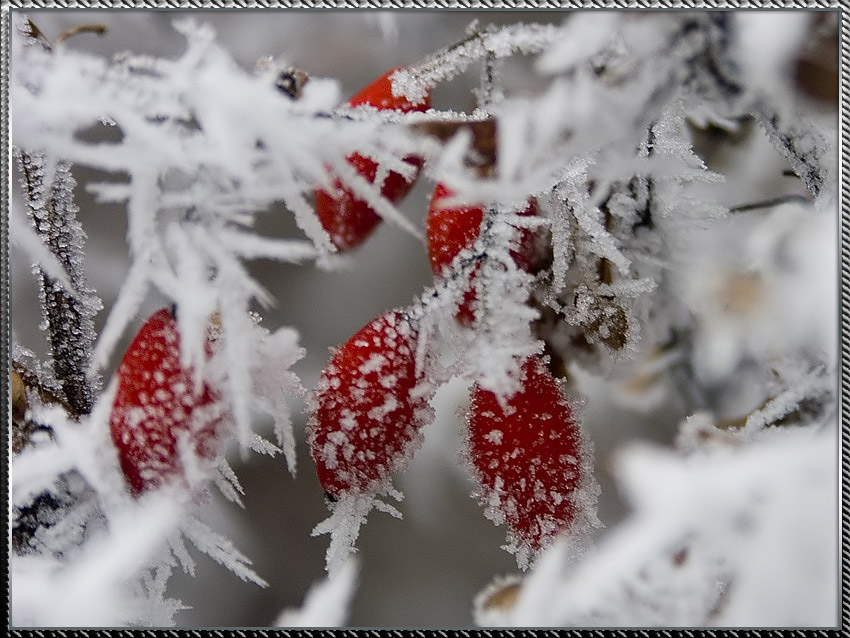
(450, 229)
(157, 404)
(346, 218)
(527, 459)
(380, 95)
(366, 415)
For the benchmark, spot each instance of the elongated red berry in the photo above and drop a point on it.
(527, 459)
(157, 404)
(365, 418)
(350, 220)
(450, 229)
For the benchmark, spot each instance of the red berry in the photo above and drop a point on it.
(347, 219)
(451, 229)
(365, 418)
(527, 459)
(380, 95)
(156, 403)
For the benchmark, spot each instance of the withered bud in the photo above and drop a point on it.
(287, 79)
(607, 322)
(291, 81)
(500, 595)
(503, 598)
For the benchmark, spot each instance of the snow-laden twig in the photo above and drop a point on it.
(415, 81)
(343, 525)
(69, 305)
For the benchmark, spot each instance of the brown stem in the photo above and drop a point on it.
(603, 267)
(770, 203)
(30, 380)
(99, 29)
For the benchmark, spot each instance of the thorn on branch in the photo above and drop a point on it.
(30, 30)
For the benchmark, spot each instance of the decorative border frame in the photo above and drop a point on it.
(843, 151)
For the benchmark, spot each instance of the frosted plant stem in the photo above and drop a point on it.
(68, 314)
(800, 143)
(455, 59)
(491, 90)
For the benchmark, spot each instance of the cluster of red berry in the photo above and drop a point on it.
(368, 408)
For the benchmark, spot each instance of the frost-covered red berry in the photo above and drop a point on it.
(527, 459)
(158, 414)
(366, 415)
(346, 218)
(380, 95)
(450, 229)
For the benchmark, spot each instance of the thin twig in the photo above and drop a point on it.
(770, 203)
(414, 81)
(99, 29)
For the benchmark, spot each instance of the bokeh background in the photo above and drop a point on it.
(424, 570)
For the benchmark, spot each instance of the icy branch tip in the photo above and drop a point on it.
(409, 86)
